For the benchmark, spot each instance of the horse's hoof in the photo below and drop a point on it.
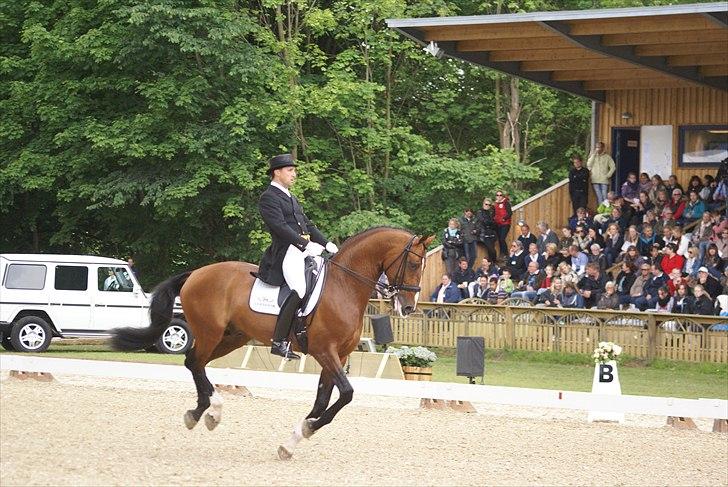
(211, 422)
(190, 420)
(307, 430)
(284, 454)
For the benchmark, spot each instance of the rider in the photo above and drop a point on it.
(293, 238)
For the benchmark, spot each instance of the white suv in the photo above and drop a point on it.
(73, 296)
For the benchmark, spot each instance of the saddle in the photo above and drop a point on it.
(268, 299)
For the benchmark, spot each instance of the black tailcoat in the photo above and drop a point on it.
(287, 224)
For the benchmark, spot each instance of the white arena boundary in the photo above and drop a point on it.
(513, 396)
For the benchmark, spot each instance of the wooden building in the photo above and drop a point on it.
(657, 77)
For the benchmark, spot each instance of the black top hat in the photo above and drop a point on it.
(279, 161)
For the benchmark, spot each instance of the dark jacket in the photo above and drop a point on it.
(578, 181)
(704, 306)
(287, 224)
(516, 265)
(468, 229)
(624, 282)
(452, 245)
(712, 287)
(596, 286)
(654, 283)
(683, 306)
(545, 239)
(485, 224)
(527, 240)
(452, 293)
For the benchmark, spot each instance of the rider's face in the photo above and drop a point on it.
(285, 176)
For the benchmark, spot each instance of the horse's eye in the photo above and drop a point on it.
(413, 266)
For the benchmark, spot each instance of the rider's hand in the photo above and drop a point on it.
(314, 249)
(331, 248)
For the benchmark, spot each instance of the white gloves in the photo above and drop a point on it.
(331, 248)
(314, 249)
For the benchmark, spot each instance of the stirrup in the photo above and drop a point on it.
(283, 349)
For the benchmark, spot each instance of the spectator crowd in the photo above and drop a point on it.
(650, 245)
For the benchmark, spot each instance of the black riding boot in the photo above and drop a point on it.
(281, 345)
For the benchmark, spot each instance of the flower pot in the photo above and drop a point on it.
(417, 373)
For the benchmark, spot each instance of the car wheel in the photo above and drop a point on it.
(5, 343)
(176, 338)
(31, 334)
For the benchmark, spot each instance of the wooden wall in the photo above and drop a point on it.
(668, 106)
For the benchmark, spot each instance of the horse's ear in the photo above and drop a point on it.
(426, 241)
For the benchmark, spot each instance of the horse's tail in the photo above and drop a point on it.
(160, 314)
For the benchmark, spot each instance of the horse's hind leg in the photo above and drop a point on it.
(195, 360)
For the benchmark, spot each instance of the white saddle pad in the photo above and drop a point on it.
(264, 297)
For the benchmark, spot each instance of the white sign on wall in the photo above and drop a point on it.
(656, 150)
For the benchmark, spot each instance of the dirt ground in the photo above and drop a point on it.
(93, 432)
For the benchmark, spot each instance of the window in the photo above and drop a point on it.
(71, 278)
(25, 276)
(703, 145)
(114, 279)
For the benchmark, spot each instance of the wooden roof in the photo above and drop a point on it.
(586, 52)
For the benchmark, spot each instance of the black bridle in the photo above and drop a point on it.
(389, 290)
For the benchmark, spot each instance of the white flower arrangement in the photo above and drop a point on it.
(606, 352)
(414, 357)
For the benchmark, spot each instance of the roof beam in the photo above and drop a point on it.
(551, 42)
(543, 55)
(571, 64)
(677, 37)
(698, 59)
(596, 74)
(636, 84)
(719, 18)
(626, 53)
(474, 32)
(634, 25)
(719, 70)
(686, 48)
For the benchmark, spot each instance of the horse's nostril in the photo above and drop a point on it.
(408, 309)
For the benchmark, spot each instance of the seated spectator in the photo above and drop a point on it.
(505, 283)
(630, 190)
(663, 303)
(710, 284)
(661, 202)
(682, 302)
(675, 279)
(550, 297)
(578, 260)
(579, 238)
(713, 262)
(646, 240)
(703, 304)
(591, 286)
(552, 257)
(613, 244)
(515, 263)
(654, 256)
(631, 238)
(657, 280)
(627, 212)
(494, 295)
(604, 209)
(597, 256)
(569, 297)
(593, 237)
(709, 185)
(638, 286)
(549, 275)
(702, 234)
(670, 259)
(623, 282)
(446, 292)
(567, 274)
(648, 220)
(580, 218)
(526, 237)
(672, 184)
(615, 217)
(682, 240)
(567, 237)
(692, 262)
(531, 282)
(546, 235)
(645, 183)
(694, 209)
(631, 256)
(452, 245)
(695, 184)
(657, 185)
(463, 276)
(533, 256)
(665, 220)
(720, 238)
(487, 269)
(640, 208)
(724, 281)
(677, 204)
(481, 287)
(609, 299)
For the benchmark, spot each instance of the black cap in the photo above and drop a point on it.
(279, 161)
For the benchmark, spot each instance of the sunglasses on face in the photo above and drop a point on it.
(499, 194)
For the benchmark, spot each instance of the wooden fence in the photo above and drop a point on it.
(642, 335)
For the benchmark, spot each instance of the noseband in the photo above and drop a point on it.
(389, 291)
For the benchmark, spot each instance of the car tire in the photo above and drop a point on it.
(176, 338)
(5, 343)
(31, 334)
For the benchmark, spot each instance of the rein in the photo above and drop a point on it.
(387, 290)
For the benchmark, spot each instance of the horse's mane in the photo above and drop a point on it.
(354, 239)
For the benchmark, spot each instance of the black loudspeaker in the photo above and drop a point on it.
(470, 356)
(382, 329)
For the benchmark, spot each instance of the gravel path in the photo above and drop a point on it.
(80, 431)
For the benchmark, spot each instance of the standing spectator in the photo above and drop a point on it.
(446, 292)
(452, 245)
(710, 284)
(533, 256)
(655, 282)
(487, 233)
(578, 184)
(503, 215)
(132, 266)
(630, 190)
(546, 236)
(609, 298)
(526, 237)
(569, 297)
(463, 276)
(601, 167)
(579, 260)
(703, 304)
(591, 285)
(623, 282)
(469, 231)
(670, 259)
(663, 302)
(515, 262)
(694, 208)
(682, 302)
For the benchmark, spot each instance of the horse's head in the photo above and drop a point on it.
(403, 264)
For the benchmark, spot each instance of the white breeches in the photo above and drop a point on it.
(293, 270)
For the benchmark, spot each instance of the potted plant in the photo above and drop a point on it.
(416, 362)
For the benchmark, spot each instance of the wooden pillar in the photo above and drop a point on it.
(651, 337)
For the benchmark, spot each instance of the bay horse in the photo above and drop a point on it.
(215, 302)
